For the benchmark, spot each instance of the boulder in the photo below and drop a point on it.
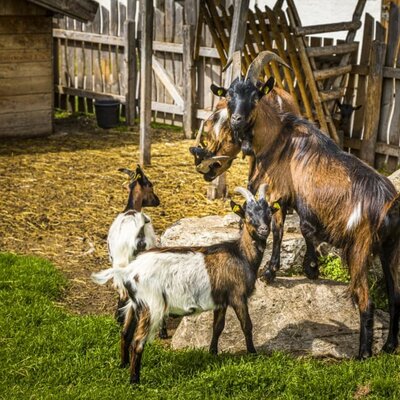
(293, 315)
(214, 229)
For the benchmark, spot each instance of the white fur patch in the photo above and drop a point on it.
(280, 102)
(222, 117)
(355, 217)
(123, 237)
(176, 283)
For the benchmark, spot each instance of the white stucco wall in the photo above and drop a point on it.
(314, 12)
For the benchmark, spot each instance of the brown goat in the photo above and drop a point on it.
(339, 199)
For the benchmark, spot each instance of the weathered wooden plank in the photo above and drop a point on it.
(388, 88)
(331, 50)
(26, 118)
(381, 147)
(335, 27)
(24, 55)
(89, 37)
(131, 72)
(15, 70)
(88, 93)
(372, 107)
(12, 7)
(83, 10)
(41, 128)
(189, 79)
(146, 10)
(29, 102)
(26, 85)
(333, 94)
(167, 81)
(24, 25)
(295, 63)
(28, 41)
(331, 72)
(368, 32)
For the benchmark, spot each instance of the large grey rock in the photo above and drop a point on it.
(214, 229)
(294, 315)
(395, 178)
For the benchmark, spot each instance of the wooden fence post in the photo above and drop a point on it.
(146, 52)
(373, 104)
(189, 82)
(130, 61)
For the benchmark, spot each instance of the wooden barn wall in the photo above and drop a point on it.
(26, 87)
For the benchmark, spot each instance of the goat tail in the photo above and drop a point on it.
(115, 273)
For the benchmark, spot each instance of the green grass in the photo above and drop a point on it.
(46, 353)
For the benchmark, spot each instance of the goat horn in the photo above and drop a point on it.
(127, 171)
(245, 193)
(199, 134)
(258, 63)
(262, 191)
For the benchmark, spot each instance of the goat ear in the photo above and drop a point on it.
(357, 107)
(217, 90)
(147, 220)
(276, 206)
(268, 86)
(237, 209)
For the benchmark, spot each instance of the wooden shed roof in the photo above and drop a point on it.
(84, 10)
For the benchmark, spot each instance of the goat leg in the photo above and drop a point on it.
(242, 313)
(310, 262)
(163, 332)
(278, 220)
(218, 327)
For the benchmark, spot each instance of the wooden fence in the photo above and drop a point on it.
(373, 83)
(91, 61)
(98, 59)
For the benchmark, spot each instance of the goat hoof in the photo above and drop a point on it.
(163, 335)
(135, 381)
(389, 347)
(364, 355)
(311, 272)
(268, 276)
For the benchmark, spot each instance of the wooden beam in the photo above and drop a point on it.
(130, 63)
(146, 52)
(189, 81)
(167, 81)
(329, 73)
(238, 33)
(372, 107)
(83, 10)
(325, 28)
(330, 50)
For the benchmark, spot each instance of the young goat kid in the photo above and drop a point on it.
(188, 280)
(132, 232)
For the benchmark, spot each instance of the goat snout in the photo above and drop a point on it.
(141, 245)
(237, 119)
(263, 231)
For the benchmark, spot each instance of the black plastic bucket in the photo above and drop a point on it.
(107, 113)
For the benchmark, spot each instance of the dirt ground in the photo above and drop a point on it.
(59, 195)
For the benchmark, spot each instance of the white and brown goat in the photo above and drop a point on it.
(339, 199)
(224, 139)
(188, 280)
